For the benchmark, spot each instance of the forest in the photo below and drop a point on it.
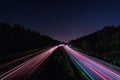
(103, 44)
(16, 38)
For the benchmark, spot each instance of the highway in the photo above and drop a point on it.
(27, 55)
(27, 68)
(95, 70)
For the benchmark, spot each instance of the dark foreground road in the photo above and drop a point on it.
(93, 69)
(24, 70)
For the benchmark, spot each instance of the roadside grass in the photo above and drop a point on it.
(110, 60)
(80, 71)
(59, 66)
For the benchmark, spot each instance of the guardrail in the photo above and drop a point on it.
(116, 68)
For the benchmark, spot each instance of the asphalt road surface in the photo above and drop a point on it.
(95, 70)
(24, 70)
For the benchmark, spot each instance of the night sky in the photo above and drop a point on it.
(61, 19)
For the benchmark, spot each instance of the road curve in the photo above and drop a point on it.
(24, 70)
(95, 70)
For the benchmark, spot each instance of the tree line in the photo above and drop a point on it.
(104, 44)
(15, 38)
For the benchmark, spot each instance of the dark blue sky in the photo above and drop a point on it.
(61, 19)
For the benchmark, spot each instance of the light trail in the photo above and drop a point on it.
(95, 70)
(24, 70)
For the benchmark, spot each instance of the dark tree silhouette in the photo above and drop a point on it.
(16, 39)
(104, 44)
